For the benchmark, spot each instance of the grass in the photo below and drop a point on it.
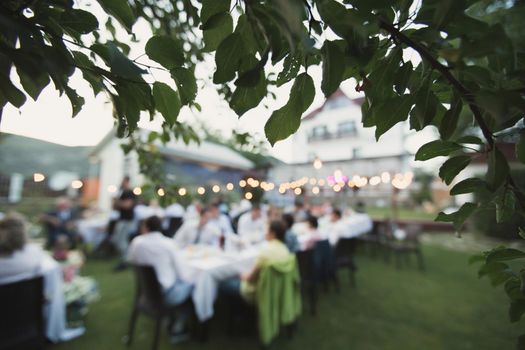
(445, 308)
(404, 213)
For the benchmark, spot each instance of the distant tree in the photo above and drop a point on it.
(468, 68)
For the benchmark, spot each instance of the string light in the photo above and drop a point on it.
(318, 164)
(112, 188)
(76, 184)
(313, 181)
(182, 191)
(374, 181)
(248, 195)
(229, 186)
(137, 191)
(321, 182)
(282, 190)
(161, 192)
(201, 190)
(216, 188)
(254, 183)
(298, 191)
(242, 183)
(385, 177)
(38, 177)
(315, 190)
(337, 188)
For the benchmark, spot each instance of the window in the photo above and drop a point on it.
(356, 152)
(338, 102)
(347, 128)
(319, 132)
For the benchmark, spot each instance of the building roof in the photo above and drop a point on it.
(26, 155)
(338, 93)
(205, 152)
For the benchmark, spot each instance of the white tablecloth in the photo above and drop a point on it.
(93, 230)
(206, 267)
(55, 308)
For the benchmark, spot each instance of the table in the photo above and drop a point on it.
(206, 267)
(93, 230)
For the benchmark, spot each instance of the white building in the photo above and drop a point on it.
(333, 136)
(193, 164)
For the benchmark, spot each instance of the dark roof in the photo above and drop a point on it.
(26, 155)
(338, 93)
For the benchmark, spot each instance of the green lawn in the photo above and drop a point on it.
(404, 213)
(445, 308)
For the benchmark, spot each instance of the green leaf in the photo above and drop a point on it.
(458, 218)
(450, 120)
(11, 93)
(223, 27)
(516, 310)
(165, 50)
(186, 84)
(468, 186)
(498, 169)
(87, 67)
(286, 120)
(227, 58)
(291, 65)
(491, 268)
(131, 100)
(212, 7)
(513, 289)
(425, 108)
(476, 258)
(469, 139)
(436, 148)
(520, 149)
(505, 206)
(33, 84)
(79, 21)
(167, 102)
(521, 232)
(389, 112)
(402, 77)
(121, 65)
(77, 102)
(246, 98)
(121, 10)
(451, 168)
(333, 67)
(504, 254)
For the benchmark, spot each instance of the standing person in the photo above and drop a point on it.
(61, 221)
(336, 228)
(126, 224)
(252, 225)
(290, 238)
(152, 248)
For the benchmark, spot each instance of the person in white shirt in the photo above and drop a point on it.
(193, 211)
(154, 249)
(336, 228)
(201, 231)
(252, 225)
(220, 220)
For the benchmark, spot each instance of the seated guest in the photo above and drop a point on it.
(314, 234)
(193, 211)
(61, 221)
(174, 218)
(252, 225)
(201, 231)
(335, 228)
(154, 249)
(290, 238)
(273, 253)
(18, 259)
(220, 220)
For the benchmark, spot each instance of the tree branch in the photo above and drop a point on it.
(444, 70)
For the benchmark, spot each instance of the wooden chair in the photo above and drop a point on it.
(149, 300)
(309, 278)
(21, 315)
(344, 256)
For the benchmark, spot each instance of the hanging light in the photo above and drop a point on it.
(374, 181)
(385, 177)
(242, 183)
(229, 186)
(201, 190)
(248, 195)
(76, 184)
(137, 191)
(315, 190)
(318, 164)
(112, 188)
(216, 188)
(38, 177)
(298, 191)
(161, 192)
(182, 191)
(336, 188)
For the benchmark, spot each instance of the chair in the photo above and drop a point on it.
(173, 227)
(149, 300)
(21, 315)
(344, 256)
(409, 245)
(309, 278)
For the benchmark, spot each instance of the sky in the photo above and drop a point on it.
(50, 119)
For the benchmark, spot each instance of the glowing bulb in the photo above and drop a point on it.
(201, 190)
(313, 181)
(182, 191)
(254, 183)
(385, 177)
(76, 184)
(282, 190)
(242, 183)
(216, 188)
(248, 195)
(315, 190)
(38, 177)
(298, 191)
(374, 181)
(112, 188)
(318, 164)
(337, 188)
(137, 191)
(229, 186)
(321, 182)
(161, 192)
